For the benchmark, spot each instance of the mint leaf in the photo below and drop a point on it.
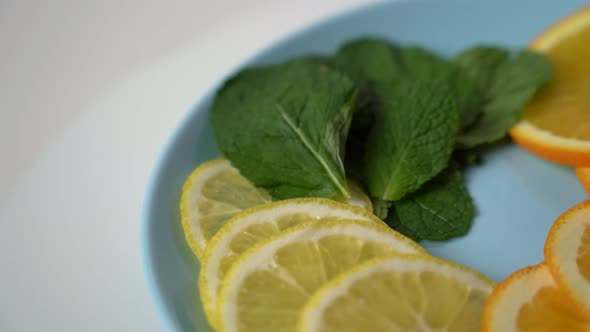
(481, 63)
(411, 140)
(373, 63)
(465, 93)
(368, 62)
(439, 210)
(393, 161)
(419, 64)
(284, 127)
(505, 84)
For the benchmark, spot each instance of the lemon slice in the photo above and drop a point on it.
(399, 293)
(268, 285)
(252, 225)
(213, 193)
(216, 191)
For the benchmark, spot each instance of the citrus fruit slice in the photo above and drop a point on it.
(212, 194)
(583, 174)
(530, 301)
(216, 191)
(258, 223)
(567, 253)
(556, 123)
(268, 285)
(399, 293)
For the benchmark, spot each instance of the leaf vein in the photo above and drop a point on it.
(426, 208)
(305, 140)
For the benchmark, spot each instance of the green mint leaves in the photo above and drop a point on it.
(439, 210)
(504, 84)
(387, 116)
(285, 127)
(411, 140)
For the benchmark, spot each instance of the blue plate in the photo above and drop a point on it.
(517, 195)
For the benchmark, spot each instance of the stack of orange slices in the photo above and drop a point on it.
(553, 295)
(556, 124)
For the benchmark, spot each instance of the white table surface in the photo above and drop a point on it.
(89, 93)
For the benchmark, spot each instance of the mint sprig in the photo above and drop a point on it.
(287, 127)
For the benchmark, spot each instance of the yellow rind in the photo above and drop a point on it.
(234, 270)
(235, 221)
(373, 265)
(196, 247)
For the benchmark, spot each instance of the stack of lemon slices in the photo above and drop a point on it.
(312, 264)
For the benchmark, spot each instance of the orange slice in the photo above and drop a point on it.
(567, 253)
(584, 177)
(556, 123)
(531, 301)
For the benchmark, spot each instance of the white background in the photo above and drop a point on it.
(89, 92)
